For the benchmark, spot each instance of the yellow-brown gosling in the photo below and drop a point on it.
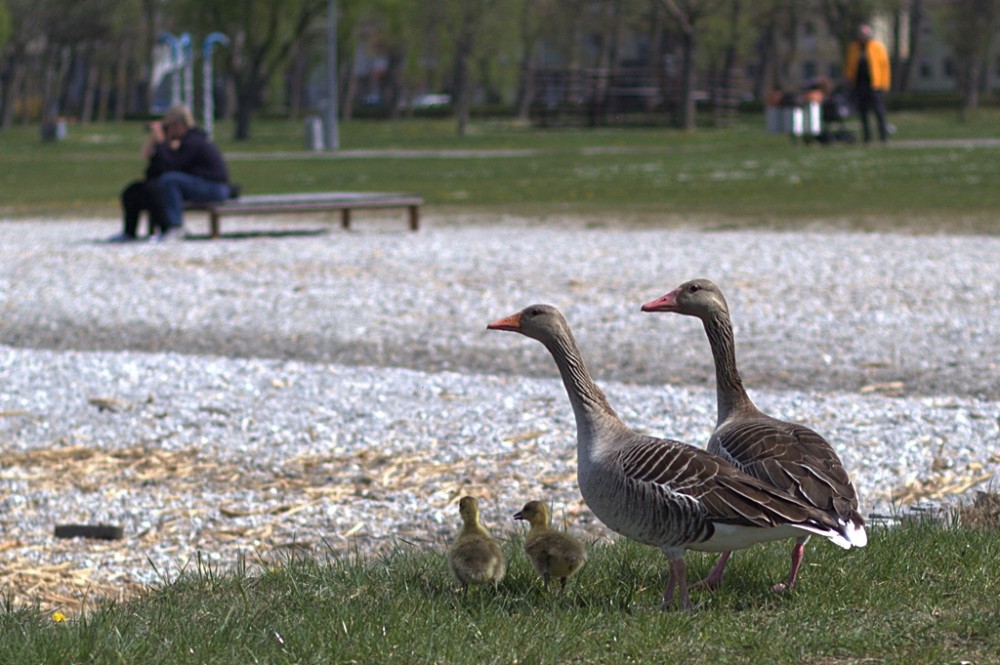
(552, 553)
(475, 557)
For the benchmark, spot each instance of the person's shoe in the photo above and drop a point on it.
(170, 234)
(122, 238)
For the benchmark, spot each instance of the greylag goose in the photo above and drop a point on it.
(552, 553)
(475, 557)
(789, 456)
(661, 492)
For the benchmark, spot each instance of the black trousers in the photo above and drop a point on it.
(870, 101)
(138, 196)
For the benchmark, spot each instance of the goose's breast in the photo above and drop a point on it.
(641, 511)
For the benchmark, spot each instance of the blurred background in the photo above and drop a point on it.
(544, 62)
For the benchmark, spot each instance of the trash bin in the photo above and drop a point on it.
(53, 130)
(314, 133)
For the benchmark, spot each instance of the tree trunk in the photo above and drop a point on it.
(606, 66)
(392, 90)
(349, 88)
(104, 93)
(246, 101)
(909, 66)
(462, 92)
(654, 75)
(296, 84)
(726, 99)
(686, 104)
(93, 79)
(123, 82)
(970, 86)
(766, 80)
(11, 90)
(526, 67)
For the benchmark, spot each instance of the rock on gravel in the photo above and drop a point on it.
(264, 394)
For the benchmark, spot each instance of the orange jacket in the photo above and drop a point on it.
(878, 64)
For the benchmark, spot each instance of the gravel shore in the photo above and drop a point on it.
(334, 390)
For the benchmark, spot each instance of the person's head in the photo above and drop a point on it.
(864, 33)
(177, 121)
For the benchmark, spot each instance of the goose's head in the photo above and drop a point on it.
(541, 322)
(699, 297)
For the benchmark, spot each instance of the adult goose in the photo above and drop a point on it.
(552, 553)
(475, 557)
(786, 455)
(660, 492)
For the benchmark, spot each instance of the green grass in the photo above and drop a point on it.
(920, 593)
(740, 176)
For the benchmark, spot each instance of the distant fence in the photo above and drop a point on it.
(595, 96)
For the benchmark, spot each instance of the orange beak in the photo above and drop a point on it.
(512, 322)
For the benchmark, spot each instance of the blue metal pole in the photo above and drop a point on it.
(208, 89)
(175, 59)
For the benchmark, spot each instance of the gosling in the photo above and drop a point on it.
(475, 557)
(552, 553)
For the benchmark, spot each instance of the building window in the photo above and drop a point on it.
(809, 70)
(926, 70)
(834, 70)
(949, 67)
(808, 37)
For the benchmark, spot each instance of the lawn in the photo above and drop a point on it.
(740, 175)
(920, 593)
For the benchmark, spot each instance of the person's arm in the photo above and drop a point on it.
(882, 79)
(154, 137)
(851, 65)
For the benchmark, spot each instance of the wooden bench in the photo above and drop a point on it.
(345, 202)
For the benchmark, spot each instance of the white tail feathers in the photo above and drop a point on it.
(855, 533)
(847, 536)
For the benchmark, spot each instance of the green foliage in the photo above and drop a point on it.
(917, 593)
(4, 23)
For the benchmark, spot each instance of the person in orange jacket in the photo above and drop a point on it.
(866, 72)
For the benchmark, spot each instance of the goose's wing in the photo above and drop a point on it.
(790, 457)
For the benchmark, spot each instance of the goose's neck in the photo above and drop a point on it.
(730, 393)
(590, 406)
(538, 529)
(474, 528)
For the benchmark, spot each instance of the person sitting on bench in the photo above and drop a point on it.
(184, 165)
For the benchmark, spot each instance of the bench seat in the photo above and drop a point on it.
(308, 202)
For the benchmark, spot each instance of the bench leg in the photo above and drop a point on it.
(213, 222)
(414, 218)
(345, 218)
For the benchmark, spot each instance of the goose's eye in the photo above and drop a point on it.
(694, 288)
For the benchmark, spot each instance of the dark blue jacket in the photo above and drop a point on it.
(196, 155)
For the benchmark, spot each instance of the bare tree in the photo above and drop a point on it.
(688, 14)
(969, 28)
(263, 34)
(916, 18)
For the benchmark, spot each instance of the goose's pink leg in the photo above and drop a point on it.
(797, 553)
(714, 579)
(678, 577)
